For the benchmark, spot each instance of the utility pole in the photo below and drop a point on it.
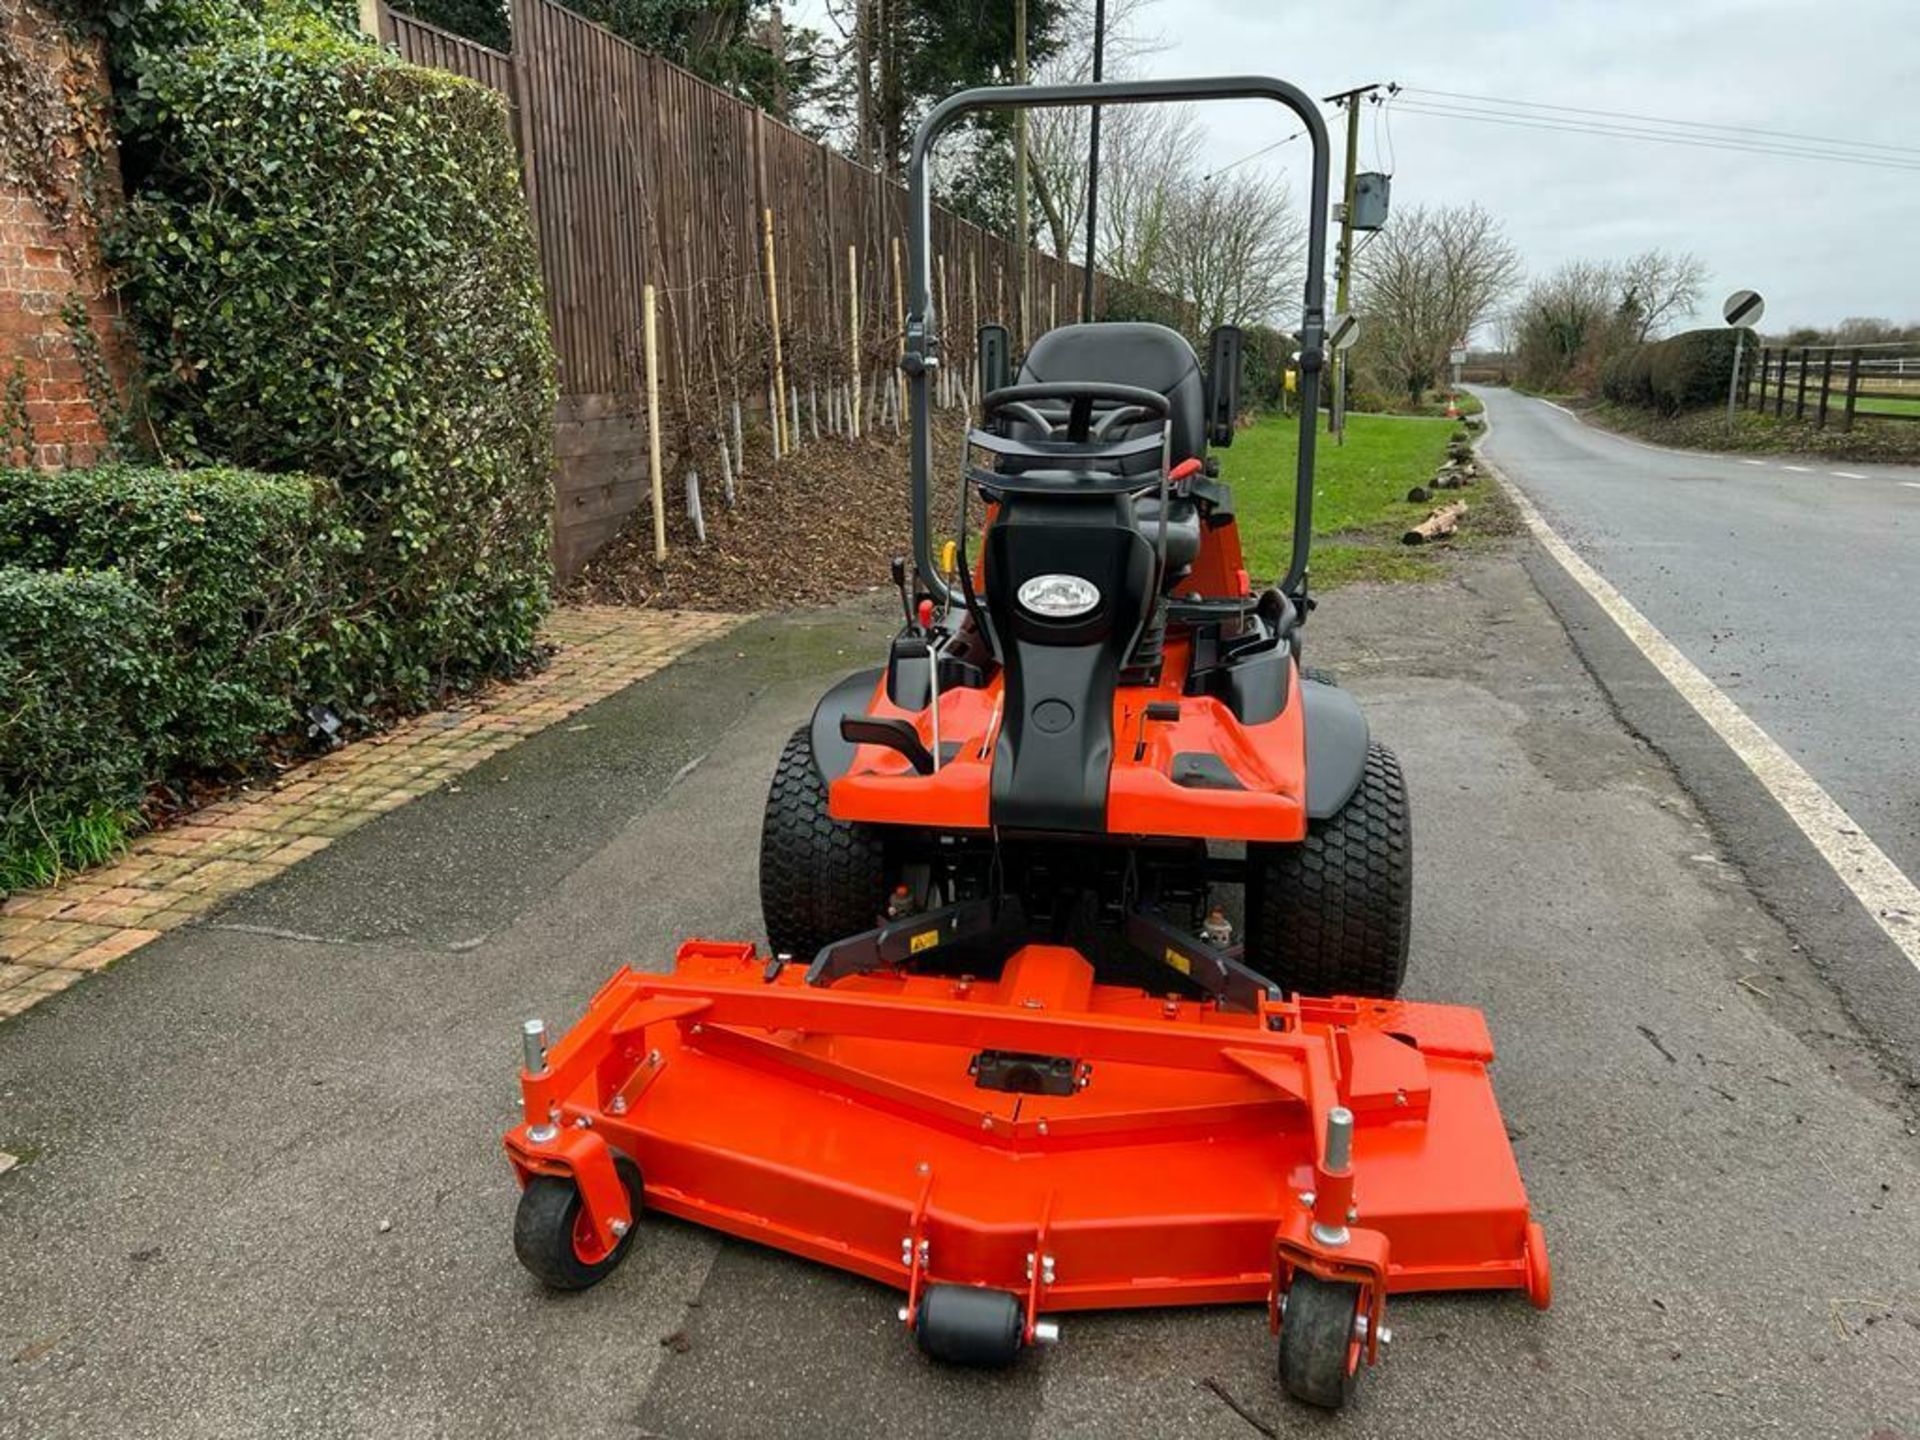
(1093, 161)
(1343, 280)
(1020, 166)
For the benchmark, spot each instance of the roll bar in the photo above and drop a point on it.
(923, 346)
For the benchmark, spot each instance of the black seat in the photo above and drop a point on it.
(1132, 352)
(1152, 357)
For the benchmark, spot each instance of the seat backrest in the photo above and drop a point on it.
(1131, 352)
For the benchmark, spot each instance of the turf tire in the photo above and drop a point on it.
(821, 879)
(1331, 915)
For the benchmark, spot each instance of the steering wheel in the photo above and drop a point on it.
(1129, 403)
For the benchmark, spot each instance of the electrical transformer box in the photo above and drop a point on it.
(1370, 200)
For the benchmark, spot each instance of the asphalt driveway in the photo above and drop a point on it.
(262, 1189)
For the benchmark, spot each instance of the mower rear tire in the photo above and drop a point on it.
(1319, 1341)
(1332, 914)
(553, 1239)
(821, 879)
(970, 1325)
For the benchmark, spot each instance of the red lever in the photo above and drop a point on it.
(1185, 470)
(926, 614)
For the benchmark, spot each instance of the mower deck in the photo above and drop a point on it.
(1182, 1157)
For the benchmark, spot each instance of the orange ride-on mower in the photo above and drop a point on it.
(1006, 1051)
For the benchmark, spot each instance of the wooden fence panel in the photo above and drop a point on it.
(640, 173)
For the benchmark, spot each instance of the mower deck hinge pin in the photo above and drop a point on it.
(1046, 1332)
(533, 1046)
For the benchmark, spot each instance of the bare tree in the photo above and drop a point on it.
(1658, 289)
(1425, 282)
(1149, 156)
(1236, 249)
(1057, 138)
(1566, 323)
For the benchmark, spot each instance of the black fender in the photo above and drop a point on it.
(1337, 740)
(852, 696)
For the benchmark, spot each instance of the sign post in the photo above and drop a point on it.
(1341, 333)
(1743, 308)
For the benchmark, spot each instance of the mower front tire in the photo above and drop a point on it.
(1319, 1344)
(1331, 915)
(553, 1239)
(821, 879)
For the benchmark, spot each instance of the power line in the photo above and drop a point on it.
(1263, 150)
(1666, 120)
(1574, 127)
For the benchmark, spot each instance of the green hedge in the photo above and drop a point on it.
(247, 577)
(1687, 372)
(77, 679)
(331, 270)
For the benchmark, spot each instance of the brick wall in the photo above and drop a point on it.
(61, 380)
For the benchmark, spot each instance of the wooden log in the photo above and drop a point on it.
(1442, 522)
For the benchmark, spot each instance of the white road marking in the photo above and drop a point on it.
(1854, 475)
(1761, 463)
(1911, 484)
(1862, 866)
(1802, 469)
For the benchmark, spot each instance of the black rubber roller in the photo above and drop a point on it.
(966, 1325)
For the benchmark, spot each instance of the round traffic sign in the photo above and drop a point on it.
(1744, 307)
(1344, 330)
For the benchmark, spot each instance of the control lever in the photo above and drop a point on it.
(899, 569)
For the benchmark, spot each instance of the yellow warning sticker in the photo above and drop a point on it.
(925, 940)
(1179, 962)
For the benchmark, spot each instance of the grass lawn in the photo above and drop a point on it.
(1360, 504)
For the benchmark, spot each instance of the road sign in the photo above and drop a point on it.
(1744, 307)
(1344, 331)
(1457, 356)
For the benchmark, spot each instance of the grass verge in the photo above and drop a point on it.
(1897, 441)
(1360, 507)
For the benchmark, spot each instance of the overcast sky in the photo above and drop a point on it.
(1820, 240)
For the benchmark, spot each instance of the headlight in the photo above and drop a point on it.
(1059, 597)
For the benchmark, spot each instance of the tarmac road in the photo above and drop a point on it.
(1794, 584)
(263, 1192)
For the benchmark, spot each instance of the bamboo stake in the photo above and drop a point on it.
(899, 327)
(780, 443)
(653, 426)
(853, 341)
(945, 372)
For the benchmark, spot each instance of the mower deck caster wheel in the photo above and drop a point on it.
(553, 1239)
(968, 1325)
(1319, 1340)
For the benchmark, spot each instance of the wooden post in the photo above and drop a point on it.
(1800, 396)
(899, 326)
(781, 441)
(1757, 394)
(853, 343)
(1826, 384)
(1853, 386)
(652, 351)
(1780, 387)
